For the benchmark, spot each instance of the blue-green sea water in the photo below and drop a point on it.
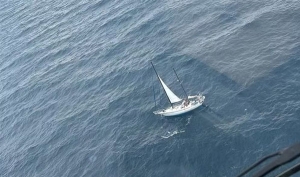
(76, 86)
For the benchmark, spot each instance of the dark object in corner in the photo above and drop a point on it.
(285, 156)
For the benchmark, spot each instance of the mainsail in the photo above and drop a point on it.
(173, 98)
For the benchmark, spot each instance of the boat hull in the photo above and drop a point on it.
(179, 110)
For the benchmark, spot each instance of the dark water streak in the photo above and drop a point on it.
(76, 86)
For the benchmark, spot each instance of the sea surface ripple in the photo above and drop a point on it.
(77, 86)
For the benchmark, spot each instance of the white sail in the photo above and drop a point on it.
(173, 98)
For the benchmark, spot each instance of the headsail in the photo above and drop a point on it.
(173, 98)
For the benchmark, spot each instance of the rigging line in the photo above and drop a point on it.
(181, 84)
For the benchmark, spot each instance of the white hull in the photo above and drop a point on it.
(180, 109)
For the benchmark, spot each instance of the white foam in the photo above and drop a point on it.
(170, 134)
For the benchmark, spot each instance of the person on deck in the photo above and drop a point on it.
(186, 102)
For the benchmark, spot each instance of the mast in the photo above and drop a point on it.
(161, 84)
(154, 93)
(181, 84)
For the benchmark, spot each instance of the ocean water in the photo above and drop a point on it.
(77, 86)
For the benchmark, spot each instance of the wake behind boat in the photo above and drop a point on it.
(178, 106)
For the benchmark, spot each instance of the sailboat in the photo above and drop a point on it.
(178, 106)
